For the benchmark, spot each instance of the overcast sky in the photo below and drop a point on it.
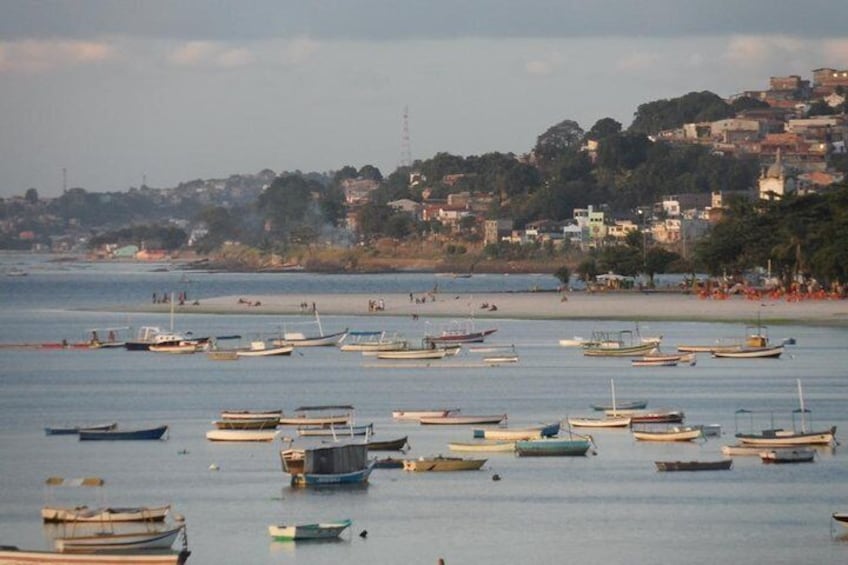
(121, 90)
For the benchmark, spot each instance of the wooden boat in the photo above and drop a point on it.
(784, 438)
(336, 431)
(621, 344)
(440, 463)
(114, 435)
(576, 341)
(327, 415)
(552, 447)
(104, 515)
(606, 422)
(500, 359)
(231, 415)
(388, 445)
(483, 446)
(677, 433)
(112, 541)
(331, 465)
(298, 339)
(720, 465)
(325, 530)
(242, 434)
(222, 355)
(246, 424)
(261, 349)
(740, 449)
(659, 360)
(750, 353)
(621, 406)
(841, 517)
(14, 556)
(74, 430)
(388, 463)
(514, 434)
(177, 347)
(456, 332)
(372, 342)
(417, 414)
(465, 420)
(657, 416)
(414, 353)
(787, 455)
(152, 335)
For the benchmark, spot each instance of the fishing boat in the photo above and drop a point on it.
(336, 431)
(174, 347)
(750, 353)
(621, 406)
(459, 332)
(247, 424)
(612, 419)
(624, 343)
(372, 342)
(51, 513)
(676, 433)
(152, 335)
(441, 463)
(242, 435)
(778, 437)
(740, 449)
(74, 430)
(388, 445)
(414, 353)
(320, 531)
(326, 415)
(299, 339)
(11, 555)
(500, 359)
(116, 541)
(719, 465)
(841, 517)
(483, 446)
(231, 415)
(417, 414)
(788, 455)
(660, 360)
(553, 447)
(462, 420)
(514, 434)
(114, 435)
(330, 465)
(656, 416)
(259, 348)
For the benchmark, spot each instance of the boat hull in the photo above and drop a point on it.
(774, 438)
(485, 446)
(442, 464)
(242, 435)
(552, 448)
(610, 422)
(118, 542)
(114, 435)
(721, 465)
(685, 434)
(33, 557)
(463, 420)
(516, 434)
(316, 479)
(52, 514)
(330, 530)
(426, 413)
(749, 353)
(389, 445)
(788, 456)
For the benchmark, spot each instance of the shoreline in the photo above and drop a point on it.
(635, 306)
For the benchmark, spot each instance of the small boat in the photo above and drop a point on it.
(176, 347)
(331, 465)
(841, 517)
(336, 431)
(261, 349)
(372, 342)
(10, 555)
(222, 355)
(74, 430)
(606, 422)
(251, 415)
(456, 332)
(388, 445)
(440, 463)
(298, 339)
(621, 344)
(787, 455)
(677, 433)
(750, 353)
(327, 415)
(483, 446)
(457, 420)
(500, 359)
(242, 434)
(246, 424)
(659, 360)
(113, 435)
(720, 465)
(152, 335)
(112, 541)
(326, 530)
(552, 447)
(576, 341)
(84, 514)
(417, 414)
(388, 463)
(514, 434)
(740, 449)
(658, 416)
(414, 353)
(621, 406)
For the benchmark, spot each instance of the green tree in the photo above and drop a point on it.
(604, 127)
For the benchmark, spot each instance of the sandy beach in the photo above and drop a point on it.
(630, 306)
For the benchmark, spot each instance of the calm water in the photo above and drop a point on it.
(612, 507)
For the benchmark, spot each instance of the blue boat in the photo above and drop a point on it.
(107, 435)
(334, 465)
(552, 447)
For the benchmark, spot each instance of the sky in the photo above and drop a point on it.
(108, 94)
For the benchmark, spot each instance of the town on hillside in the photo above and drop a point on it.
(668, 178)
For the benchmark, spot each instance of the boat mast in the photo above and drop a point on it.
(803, 415)
(612, 390)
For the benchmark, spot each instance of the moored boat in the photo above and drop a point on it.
(677, 433)
(114, 435)
(331, 465)
(251, 415)
(440, 463)
(326, 415)
(247, 424)
(372, 342)
(319, 531)
(606, 422)
(336, 431)
(10, 555)
(553, 447)
(462, 420)
(75, 430)
(456, 332)
(841, 517)
(242, 435)
(414, 353)
(657, 416)
(513, 434)
(107, 515)
(784, 438)
(116, 541)
(388, 445)
(719, 465)
(750, 353)
(788, 455)
(483, 446)
(260, 348)
(417, 414)
(740, 449)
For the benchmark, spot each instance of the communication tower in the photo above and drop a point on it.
(405, 149)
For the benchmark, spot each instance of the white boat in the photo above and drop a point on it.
(457, 420)
(788, 455)
(113, 541)
(607, 422)
(330, 465)
(576, 341)
(514, 434)
(319, 531)
(326, 415)
(10, 555)
(750, 353)
(259, 348)
(372, 342)
(677, 433)
(619, 344)
(251, 414)
(179, 347)
(241, 435)
(417, 414)
(740, 449)
(299, 339)
(336, 431)
(51, 513)
(500, 359)
(483, 446)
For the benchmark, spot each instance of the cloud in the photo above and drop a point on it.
(835, 51)
(539, 67)
(210, 54)
(638, 61)
(39, 55)
(750, 50)
(299, 50)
